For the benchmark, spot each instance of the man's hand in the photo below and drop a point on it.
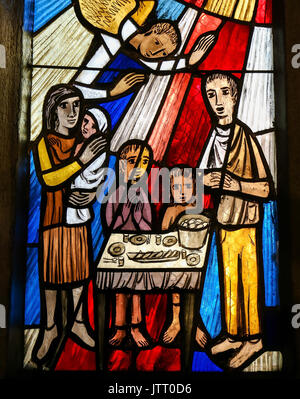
(79, 199)
(231, 184)
(204, 43)
(213, 179)
(127, 82)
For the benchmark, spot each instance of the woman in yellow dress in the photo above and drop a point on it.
(64, 251)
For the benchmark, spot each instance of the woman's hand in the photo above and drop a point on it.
(80, 199)
(94, 148)
(55, 143)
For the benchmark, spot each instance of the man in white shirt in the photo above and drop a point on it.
(240, 181)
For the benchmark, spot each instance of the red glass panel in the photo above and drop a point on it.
(197, 3)
(264, 12)
(159, 359)
(74, 357)
(161, 133)
(205, 23)
(167, 359)
(119, 360)
(230, 49)
(192, 129)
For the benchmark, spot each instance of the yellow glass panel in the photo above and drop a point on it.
(145, 7)
(243, 8)
(43, 155)
(61, 175)
(106, 15)
(221, 7)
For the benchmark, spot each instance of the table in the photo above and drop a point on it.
(124, 271)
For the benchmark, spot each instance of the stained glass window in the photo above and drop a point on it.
(152, 239)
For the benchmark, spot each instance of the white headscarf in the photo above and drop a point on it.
(101, 119)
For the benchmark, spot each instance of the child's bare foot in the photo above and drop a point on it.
(171, 332)
(247, 350)
(118, 337)
(225, 345)
(138, 337)
(201, 338)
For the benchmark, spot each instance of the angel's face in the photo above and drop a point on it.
(154, 45)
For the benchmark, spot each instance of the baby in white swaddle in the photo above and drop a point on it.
(94, 122)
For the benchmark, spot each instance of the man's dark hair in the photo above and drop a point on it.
(133, 145)
(233, 85)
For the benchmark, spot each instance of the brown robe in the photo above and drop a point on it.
(246, 161)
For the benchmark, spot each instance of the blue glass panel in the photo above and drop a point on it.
(124, 62)
(210, 308)
(169, 9)
(32, 293)
(108, 76)
(201, 362)
(96, 227)
(270, 253)
(45, 10)
(116, 108)
(34, 205)
(28, 15)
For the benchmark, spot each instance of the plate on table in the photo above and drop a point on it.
(192, 259)
(116, 249)
(138, 239)
(169, 241)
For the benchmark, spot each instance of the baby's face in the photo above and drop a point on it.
(182, 189)
(88, 127)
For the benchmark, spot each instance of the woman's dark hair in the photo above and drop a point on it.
(55, 95)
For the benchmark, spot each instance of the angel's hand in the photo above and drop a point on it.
(202, 46)
(127, 82)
